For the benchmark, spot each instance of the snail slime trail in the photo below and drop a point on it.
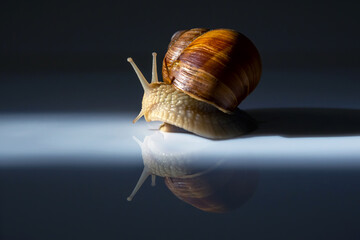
(206, 75)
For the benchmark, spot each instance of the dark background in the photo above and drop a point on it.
(71, 56)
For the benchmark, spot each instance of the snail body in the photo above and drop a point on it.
(206, 75)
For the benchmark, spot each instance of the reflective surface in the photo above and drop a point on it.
(68, 176)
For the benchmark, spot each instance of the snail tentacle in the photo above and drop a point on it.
(144, 175)
(144, 83)
(153, 178)
(154, 69)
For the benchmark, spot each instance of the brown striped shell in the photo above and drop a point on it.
(220, 67)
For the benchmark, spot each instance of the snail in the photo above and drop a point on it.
(206, 74)
(211, 185)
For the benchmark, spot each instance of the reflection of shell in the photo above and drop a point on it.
(218, 191)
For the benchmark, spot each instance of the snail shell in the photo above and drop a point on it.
(220, 67)
(206, 74)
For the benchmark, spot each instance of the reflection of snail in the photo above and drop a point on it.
(206, 75)
(207, 185)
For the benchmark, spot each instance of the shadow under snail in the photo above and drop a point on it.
(206, 74)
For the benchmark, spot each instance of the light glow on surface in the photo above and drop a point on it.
(108, 138)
